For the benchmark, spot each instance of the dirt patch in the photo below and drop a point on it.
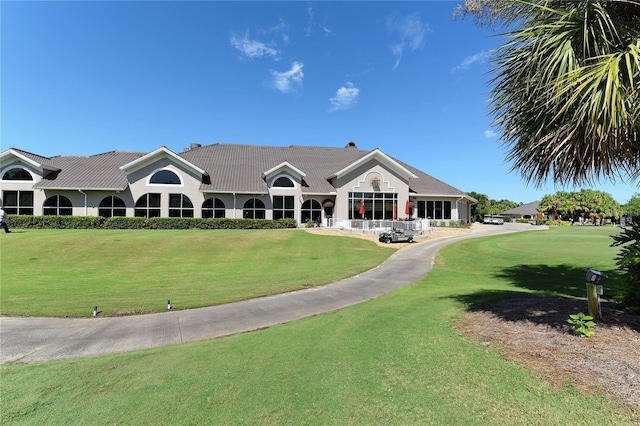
(534, 332)
(432, 234)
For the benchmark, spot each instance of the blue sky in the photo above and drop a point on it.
(88, 77)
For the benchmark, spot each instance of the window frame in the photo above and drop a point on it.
(284, 207)
(9, 169)
(185, 207)
(19, 208)
(145, 210)
(218, 209)
(253, 210)
(59, 208)
(170, 185)
(112, 208)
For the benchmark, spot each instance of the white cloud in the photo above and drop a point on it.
(490, 134)
(288, 81)
(253, 48)
(311, 23)
(346, 97)
(470, 60)
(412, 32)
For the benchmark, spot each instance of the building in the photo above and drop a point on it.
(332, 185)
(525, 211)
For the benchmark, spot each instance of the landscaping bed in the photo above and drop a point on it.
(534, 332)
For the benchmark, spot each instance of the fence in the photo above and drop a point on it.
(420, 226)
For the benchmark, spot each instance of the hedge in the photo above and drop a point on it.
(92, 222)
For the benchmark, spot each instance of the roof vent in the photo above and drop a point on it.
(195, 145)
(351, 145)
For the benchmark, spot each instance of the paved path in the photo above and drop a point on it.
(44, 339)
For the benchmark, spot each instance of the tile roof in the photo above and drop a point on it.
(530, 209)
(231, 168)
(100, 171)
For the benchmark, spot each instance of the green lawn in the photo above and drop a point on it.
(66, 273)
(393, 360)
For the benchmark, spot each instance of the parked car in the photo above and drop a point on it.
(493, 219)
(396, 236)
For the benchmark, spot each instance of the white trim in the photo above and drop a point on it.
(284, 165)
(154, 156)
(383, 158)
(21, 158)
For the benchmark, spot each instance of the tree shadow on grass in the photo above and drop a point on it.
(550, 294)
(558, 280)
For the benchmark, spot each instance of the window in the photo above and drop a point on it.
(435, 209)
(253, 209)
(284, 207)
(57, 205)
(17, 174)
(311, 210)
(180, 206)
(373, 205)
(213, 207)
(283, 182)
(148, 206)
(112, 206)
(165, 177)
(18, 202)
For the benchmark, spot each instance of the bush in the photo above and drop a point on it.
(92, 222)
(55, 222)
(628, 260)
(559, 223)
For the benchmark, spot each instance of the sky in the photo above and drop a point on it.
(86, 77)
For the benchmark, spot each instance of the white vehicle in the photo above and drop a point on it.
(493, 219)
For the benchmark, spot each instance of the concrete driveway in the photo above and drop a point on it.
(26, 339)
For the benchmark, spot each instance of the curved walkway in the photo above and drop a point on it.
(44, 339)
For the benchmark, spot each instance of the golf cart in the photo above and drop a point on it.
(396, 236)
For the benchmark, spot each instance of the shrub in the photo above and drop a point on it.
(93, 222)
(628, 260)
(55, 222)
(559, 223)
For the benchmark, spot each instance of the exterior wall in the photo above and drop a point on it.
(361, 180)
(371, 177)
(24, 185)
(139, 185)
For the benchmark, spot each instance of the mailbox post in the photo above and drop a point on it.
(594, 291)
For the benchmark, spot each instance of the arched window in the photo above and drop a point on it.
(57, 205)
(213, 207)
(253, 209)
(112, 206)
(165, 177)
(311, 210)
(283, 182)
(17, 173)
(148, 206)
(180, 206)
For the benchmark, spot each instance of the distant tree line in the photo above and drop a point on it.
(584, 205)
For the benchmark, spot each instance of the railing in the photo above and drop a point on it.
(421, 226)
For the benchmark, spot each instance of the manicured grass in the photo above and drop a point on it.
(393, 360)
(67, 272)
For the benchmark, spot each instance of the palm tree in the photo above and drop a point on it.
(566, 90)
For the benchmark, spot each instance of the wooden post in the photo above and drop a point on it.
(593, 301)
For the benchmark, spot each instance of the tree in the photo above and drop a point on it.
(580, 205)
(633, 205)
(487, 206)
(565, 93)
